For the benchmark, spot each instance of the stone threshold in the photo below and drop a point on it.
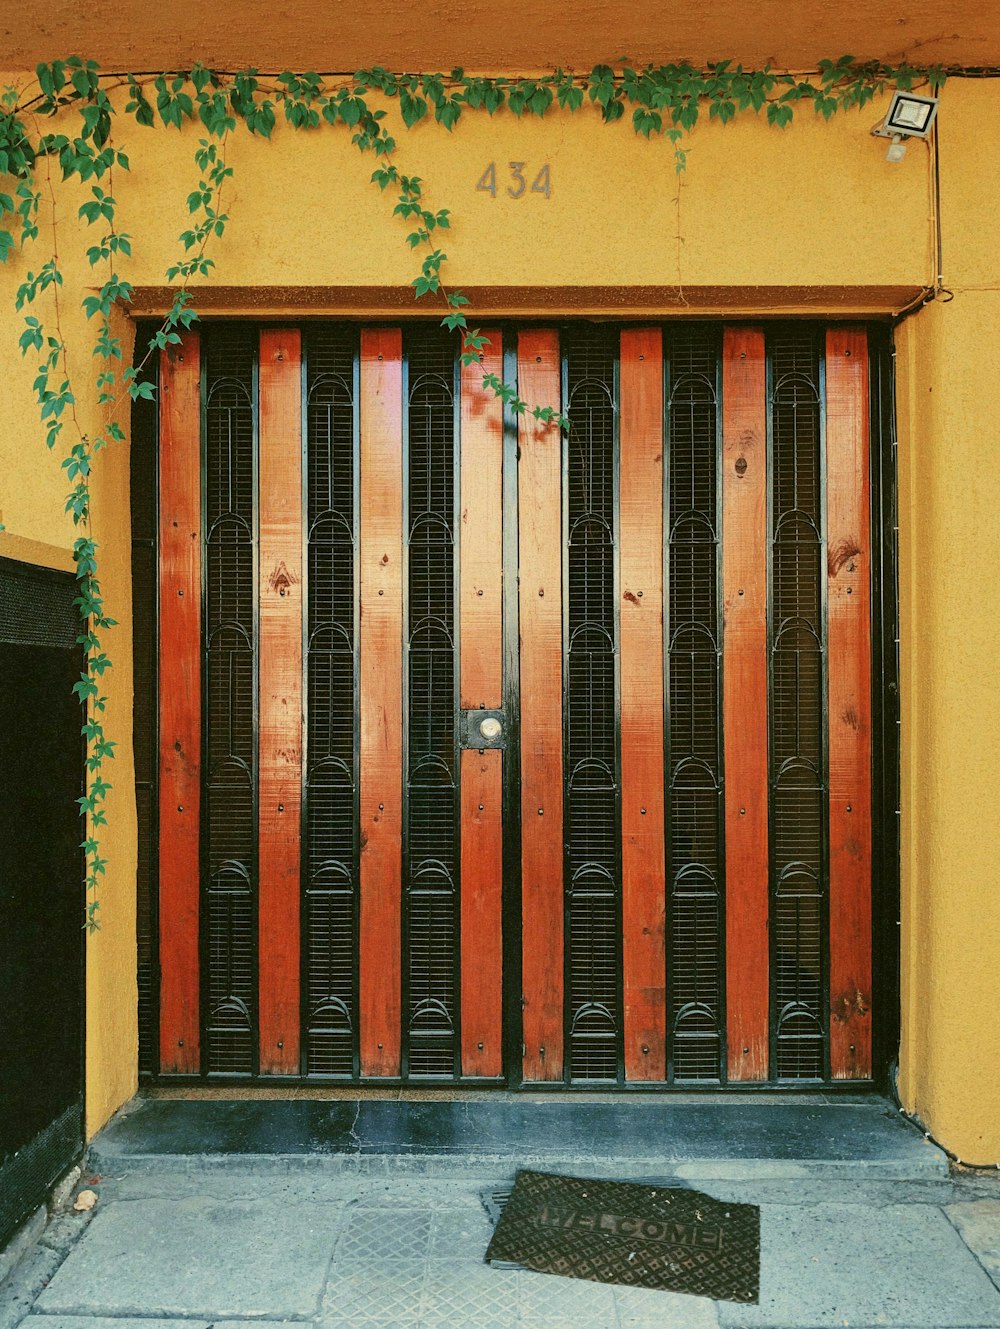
(612, 1135)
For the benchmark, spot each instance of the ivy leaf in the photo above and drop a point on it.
(570, 97)
(646, 122)
(448, 113)
(351, 109)
(411, 108)
(540, 100)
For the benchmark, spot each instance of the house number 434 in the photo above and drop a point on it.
(518, 187)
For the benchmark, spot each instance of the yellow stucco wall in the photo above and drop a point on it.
(949, 439)
(815, 207)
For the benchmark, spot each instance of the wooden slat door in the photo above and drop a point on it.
(280, 697)
(481, 688)
(642, 738)
(381, 700)
(180, 704)
(849, 706)
(744, 575)
(541, 631)
(510, 946)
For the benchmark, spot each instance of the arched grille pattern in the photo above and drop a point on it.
(797, 691)
(230, 801)
(592, 767)
(695, 928)
(330, 841)
(431, 844)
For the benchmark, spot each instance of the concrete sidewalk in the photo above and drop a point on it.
(235, 1239)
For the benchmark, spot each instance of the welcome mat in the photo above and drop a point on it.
(623, 1232)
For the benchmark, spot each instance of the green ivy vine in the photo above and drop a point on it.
(39, 151)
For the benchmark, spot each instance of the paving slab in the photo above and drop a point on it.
(468, 1293)
(199, 1258)
(218, 1243)
(106, 1322)
(359, 1295)
(978, 1222)
(547, 1298)
(837, 1264)
(20, 1289)
(641, 1308)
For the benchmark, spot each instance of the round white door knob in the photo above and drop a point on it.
(490, 728)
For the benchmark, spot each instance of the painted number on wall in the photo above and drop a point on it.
(518, 187)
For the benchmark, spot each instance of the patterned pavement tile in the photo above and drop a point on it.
(466, 1293)
(642, 1308)
(378, 1236)
(460, 1235)
(383, 1296)
(547, 1299)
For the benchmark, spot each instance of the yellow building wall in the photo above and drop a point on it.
(813, 211)
(949, 439)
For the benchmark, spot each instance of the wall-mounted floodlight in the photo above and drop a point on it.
(909, 116)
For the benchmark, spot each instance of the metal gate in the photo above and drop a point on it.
(492, 756)
(42, 893)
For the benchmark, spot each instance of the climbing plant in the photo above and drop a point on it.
(63, 127)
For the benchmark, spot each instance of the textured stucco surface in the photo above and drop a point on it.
(311, 34)
(816, 206)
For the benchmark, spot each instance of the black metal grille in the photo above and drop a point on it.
(695, 927)
(37, 613)
(230, 701)
(330, 847)
(797, 707)
(431, 849)
(145, 728)
(592, 777)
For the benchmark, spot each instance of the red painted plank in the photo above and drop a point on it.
(381, 652)
(744, 580)
(849, 671)
(540, 600)
(280, 720)
(482, 936)
(481, 681)
(180, 703)
(643, 867)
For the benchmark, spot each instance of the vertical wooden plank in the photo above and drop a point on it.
(481, 543)
(744, 582)
(849, 671)
(481, 679)
(280, 719)
(540, 601)
(180, 703)
(641, 543)
(482, 934)
(381, 656)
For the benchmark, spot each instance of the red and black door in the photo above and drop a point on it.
(489, 754)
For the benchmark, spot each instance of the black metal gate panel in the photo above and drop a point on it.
(41, 887)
